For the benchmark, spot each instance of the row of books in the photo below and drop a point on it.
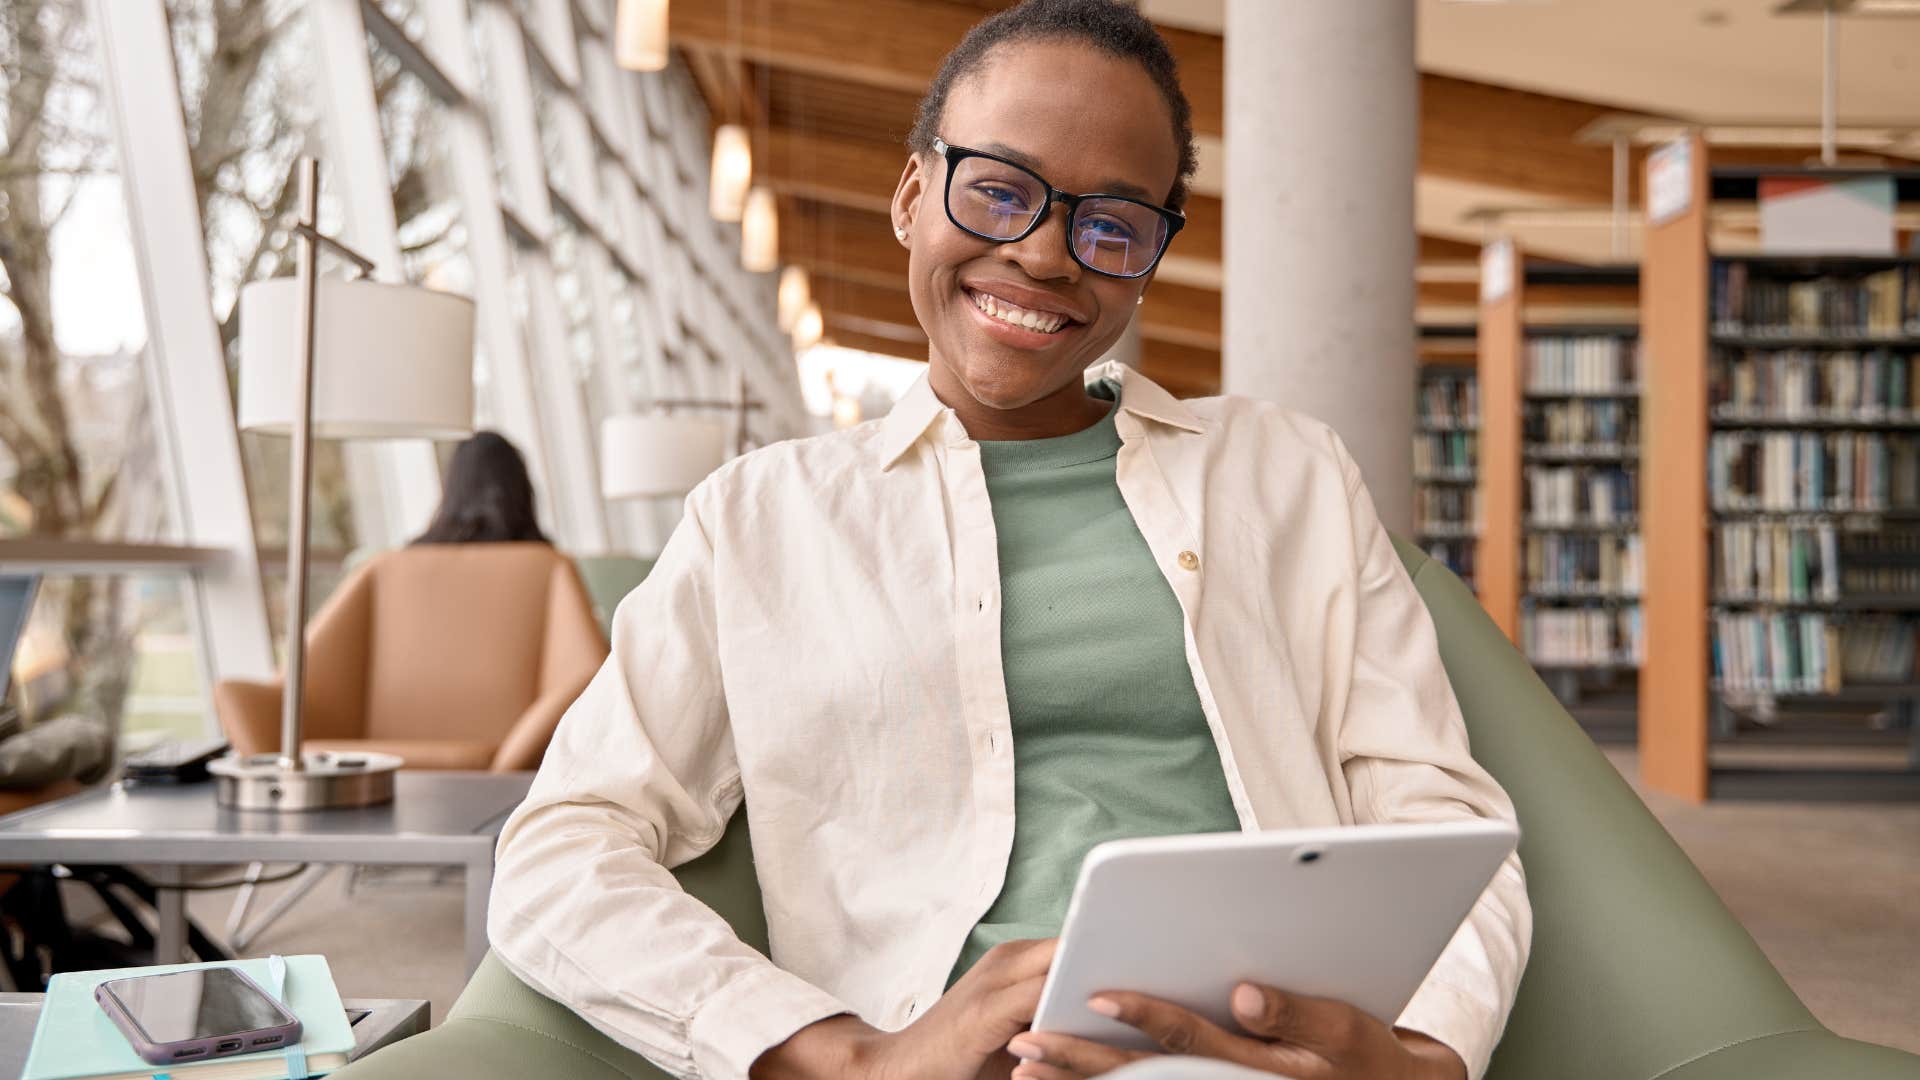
(1565, 565)
(1449, 401)
(1444, 452)
(1455, 555)
(1804, 385)
(1777, 561)
(1585, 364)
(1810, 653)
(1445, 509)
(1885, 303)
(1582, 423)
(1582, 637)
(1813, 471)
(1580, 495)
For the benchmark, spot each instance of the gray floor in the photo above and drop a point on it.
(1832, 893)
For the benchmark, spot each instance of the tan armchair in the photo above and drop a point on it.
(451, 656)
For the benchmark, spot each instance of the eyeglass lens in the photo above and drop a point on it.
(999, 201)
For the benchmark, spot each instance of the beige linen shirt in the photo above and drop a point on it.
(821, 638)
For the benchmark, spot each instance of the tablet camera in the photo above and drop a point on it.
(1307, 855)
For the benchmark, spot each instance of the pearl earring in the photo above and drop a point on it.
(899, 234)
(1141, 299)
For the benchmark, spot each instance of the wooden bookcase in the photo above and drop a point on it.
(1724, 473)
(1558, 357)
(1445, 449)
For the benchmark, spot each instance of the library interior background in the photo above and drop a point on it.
(1616, 301)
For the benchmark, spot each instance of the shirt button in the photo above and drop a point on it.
(1189, 561)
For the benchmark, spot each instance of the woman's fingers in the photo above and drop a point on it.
(1078, 1057)
(1036, 1070)
(1332, 1029)
(1180, 1031)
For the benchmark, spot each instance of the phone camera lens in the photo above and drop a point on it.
(1307, 855)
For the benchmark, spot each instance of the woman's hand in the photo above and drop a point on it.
(962, 1037)
(1301, 1037)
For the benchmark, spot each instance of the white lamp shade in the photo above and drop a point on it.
(640, 35)
(795, 293)
(389, 361)
(731, 174)
(760, 233)
(648, 455)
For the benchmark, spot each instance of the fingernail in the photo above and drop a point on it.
(1104, 1006)
(1248, 1001)
(1024, 1050)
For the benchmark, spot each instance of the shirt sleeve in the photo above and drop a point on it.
(642, 776)
(1403, 745)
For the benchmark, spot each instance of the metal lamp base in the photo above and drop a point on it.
(328, 782)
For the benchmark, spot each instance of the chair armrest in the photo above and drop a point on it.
(526, 742)
(249, 714)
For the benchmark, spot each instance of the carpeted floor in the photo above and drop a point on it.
(1831, 892)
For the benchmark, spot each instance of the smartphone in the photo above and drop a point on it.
(193, 1015)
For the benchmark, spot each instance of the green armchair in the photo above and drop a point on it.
(1638, 971)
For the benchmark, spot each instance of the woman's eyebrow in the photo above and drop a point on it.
(1026, 161)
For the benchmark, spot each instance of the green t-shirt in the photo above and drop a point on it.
(1109, 740)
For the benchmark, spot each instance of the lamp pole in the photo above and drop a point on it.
(300, 472)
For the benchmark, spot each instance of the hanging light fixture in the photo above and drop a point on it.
(795, 293)
(732, 173)
(809, 328)
(640, 35)
(760, 232)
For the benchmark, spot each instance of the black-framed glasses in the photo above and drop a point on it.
(994, 199)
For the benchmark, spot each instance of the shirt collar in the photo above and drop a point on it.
(918, 408)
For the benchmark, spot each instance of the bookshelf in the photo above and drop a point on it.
(1565, 485)
(1446, 449)
(1782, 417)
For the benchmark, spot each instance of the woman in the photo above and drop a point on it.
(939, 656)
(487, 497)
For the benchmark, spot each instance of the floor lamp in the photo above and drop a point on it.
(342, 359)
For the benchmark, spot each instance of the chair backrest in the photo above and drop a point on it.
(1637, 966)
(609, 578)
(458, 635)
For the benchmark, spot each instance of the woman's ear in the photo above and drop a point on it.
(906, 199)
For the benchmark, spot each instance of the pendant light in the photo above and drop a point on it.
(809, 328)
(760, 232)
(640, 35)
(795, 293)
(731, 174)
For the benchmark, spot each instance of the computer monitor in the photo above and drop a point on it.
(16, 603)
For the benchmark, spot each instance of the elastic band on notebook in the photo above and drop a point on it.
(296, 1064)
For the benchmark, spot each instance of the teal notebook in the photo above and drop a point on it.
(76, 1041)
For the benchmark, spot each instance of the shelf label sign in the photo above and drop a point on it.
(1816, 215)
(1670, 181)
(1496, 270)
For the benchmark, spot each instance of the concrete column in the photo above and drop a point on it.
(1322, 119)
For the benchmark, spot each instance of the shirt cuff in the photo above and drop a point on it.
(1453, 1017)
(751, 1014)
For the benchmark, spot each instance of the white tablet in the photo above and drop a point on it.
(1358, 914)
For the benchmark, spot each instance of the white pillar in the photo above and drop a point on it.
(1322, 118)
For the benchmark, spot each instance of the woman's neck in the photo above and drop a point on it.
(1063, 412)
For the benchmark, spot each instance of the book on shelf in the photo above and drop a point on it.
(1583, 364)
(1575, 425)
(1455, 554)
(1750, 300)
(1580, 495)
(1583, 637)
(1571, 566)
(1450, 510)
(1450, 401)
(1777, 561)
(1843, 471)
(1450, 452)
(1811, 652)
(1801, 384)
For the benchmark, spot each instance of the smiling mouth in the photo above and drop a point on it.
(1040, 322)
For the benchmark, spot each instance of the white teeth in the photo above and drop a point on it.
(1014, 315)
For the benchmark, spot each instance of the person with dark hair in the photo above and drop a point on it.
(486, 498)
(936, 658)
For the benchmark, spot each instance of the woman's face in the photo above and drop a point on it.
(1086, 122)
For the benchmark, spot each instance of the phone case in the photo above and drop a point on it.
(229, 1044)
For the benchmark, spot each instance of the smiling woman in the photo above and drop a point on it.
(1063, 608)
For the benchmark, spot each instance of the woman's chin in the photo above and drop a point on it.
(1011, 385)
